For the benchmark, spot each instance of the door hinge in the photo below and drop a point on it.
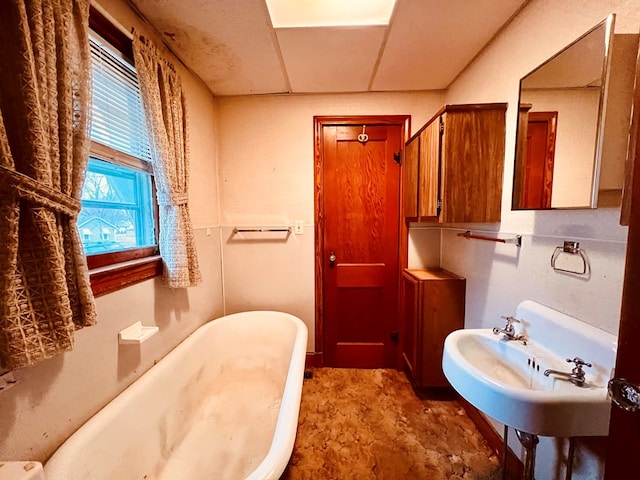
(439, 206)
(397, 157)
(394, 336)
(441, 128)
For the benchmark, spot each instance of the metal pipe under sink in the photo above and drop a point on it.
(529, 441)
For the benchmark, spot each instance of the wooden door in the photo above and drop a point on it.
(539, 160)
(622, 459)
(359, 253)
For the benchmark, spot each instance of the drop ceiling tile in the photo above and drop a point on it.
(431, 41)
(330, 59)
(229, 44)
(232, 46)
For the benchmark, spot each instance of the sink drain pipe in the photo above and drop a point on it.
(529, 442)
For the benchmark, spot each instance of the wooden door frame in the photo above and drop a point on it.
(624, 427)
(345, 120)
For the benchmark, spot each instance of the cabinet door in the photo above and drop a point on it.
(409, 324)
(429, 189)
(410, 177)
(442, 313)
(472, 165)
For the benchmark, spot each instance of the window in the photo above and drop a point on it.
(117, 224)
(117, 211)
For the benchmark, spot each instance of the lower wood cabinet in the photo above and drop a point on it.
(433, 301)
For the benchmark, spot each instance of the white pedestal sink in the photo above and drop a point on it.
(505, 378)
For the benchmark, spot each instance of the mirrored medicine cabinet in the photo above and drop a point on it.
(573, 124)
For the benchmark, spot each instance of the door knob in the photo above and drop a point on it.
(332, 259)
(624, 394)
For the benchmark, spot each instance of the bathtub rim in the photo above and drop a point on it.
(274, 463)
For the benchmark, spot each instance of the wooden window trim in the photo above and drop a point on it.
(103, 260)
(115, 277)
(103, 27)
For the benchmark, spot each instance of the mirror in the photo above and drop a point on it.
(560, 132)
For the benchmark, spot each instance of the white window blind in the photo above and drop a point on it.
(117, 114)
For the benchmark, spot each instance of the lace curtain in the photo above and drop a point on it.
(164, 106)
(45, 95)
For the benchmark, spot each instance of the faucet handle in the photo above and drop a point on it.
(509, 319)
(578, 362)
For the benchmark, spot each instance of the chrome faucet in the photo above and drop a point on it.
(576, 376)
(508, 331)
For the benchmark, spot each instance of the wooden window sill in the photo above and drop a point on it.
(114, 277)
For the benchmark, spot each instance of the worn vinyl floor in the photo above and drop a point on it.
(369, 424)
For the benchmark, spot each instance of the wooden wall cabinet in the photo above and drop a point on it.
(454, 165)
(434, 302)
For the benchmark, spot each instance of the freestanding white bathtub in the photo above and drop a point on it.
(222, 405)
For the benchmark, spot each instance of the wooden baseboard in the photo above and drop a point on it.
(515, 467)
(313, 360)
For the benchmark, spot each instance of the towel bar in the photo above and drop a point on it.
(262, 229)
(517, 240)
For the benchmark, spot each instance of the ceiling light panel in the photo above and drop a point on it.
(329, 13)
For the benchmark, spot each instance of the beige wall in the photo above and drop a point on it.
(266, 179)
(53, 398)
(500, 276)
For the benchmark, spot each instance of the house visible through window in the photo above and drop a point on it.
(118, 221)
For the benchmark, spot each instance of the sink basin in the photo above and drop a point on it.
(505, 378)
